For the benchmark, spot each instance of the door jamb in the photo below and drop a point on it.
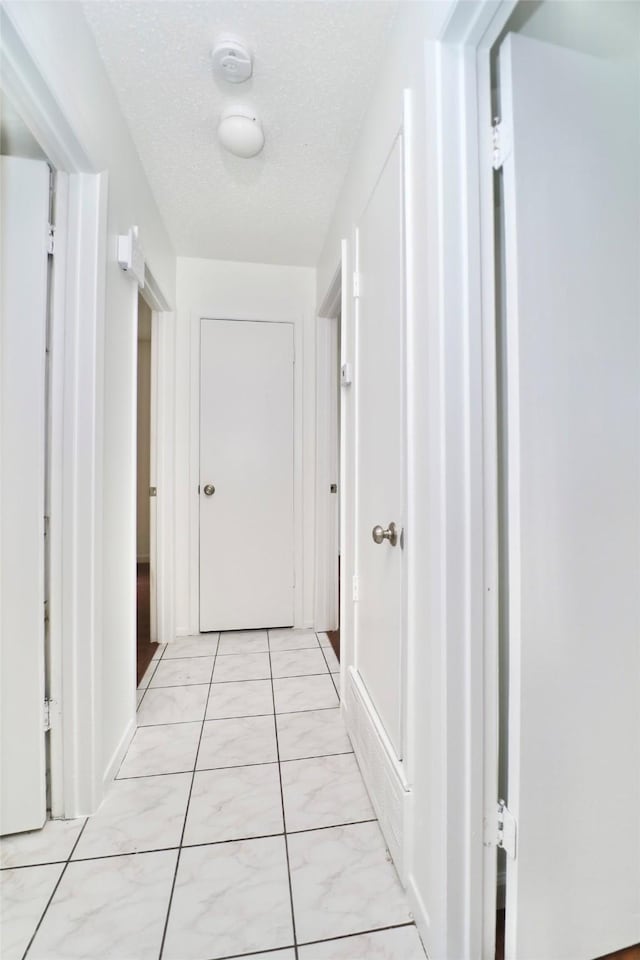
(328, 437)
(161, 474)
(459, 73)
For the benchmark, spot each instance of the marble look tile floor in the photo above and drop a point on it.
(238, 825)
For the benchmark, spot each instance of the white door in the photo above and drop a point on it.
(379, 447)
(572, 222)
(246, 475)
(24, 209)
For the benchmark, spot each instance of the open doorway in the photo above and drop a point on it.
(145, 647)
(328, 465)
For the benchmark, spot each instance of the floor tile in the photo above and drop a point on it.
(403, 943)
(324, 792)
(304, 693)
(332, 661)
(237, 742)
(139, 695)
(178, 672)
(244, 698)
(292, 640)
(323, 640)
(313, 733)
(242, 666)
(234, 804)
(243, 641)
(160, 648)
(173, 705)
(298, 663)
(136, 815)
(202, 645)
(164, 748)
(230, 898)
(148, 674)
(52, 844)
(110, 909)
(343, 882)
(24, 895)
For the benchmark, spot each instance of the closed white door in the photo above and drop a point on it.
(24, 208)
(246, 475)
(378, 382)
(572, 242)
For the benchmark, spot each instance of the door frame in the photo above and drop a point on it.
(161, 467)
(328, 437)
(197, 316)
(76, 768)
(75, 494)
(465, 431)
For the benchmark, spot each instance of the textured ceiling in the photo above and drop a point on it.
(314, 67)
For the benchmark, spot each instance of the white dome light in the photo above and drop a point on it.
(240, 132)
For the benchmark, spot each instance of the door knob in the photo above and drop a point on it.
(391, 534)
(209, 490)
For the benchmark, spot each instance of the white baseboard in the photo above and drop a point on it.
(382, 773)
(118, 755)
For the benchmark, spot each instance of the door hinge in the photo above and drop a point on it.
(48, 712)
(501, 143)
(355, 588)
(51, 239)
(507, 830)
(356, 285)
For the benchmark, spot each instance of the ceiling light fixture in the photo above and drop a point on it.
(240, 132)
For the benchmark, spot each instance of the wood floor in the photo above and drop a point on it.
(145, 649)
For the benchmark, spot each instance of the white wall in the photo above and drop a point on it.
(217, 288)
(61, 44)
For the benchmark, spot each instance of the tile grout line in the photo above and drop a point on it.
(231, 766)
(186, 813)
(169, 723)
(144, 692)
(188, 846)
(55, 889)
(313, 943)
(284, 818)
(329, 668)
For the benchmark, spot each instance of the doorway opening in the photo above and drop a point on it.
(145, 647)
(329, 436)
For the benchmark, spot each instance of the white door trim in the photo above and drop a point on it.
(162, 473)
(327, 439)
(462, 571)
(197, 315)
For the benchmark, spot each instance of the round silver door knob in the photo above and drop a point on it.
(209, 490)
(379, 534)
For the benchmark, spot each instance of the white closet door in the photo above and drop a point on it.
(24, 209)
(572, 220)
(378, 382)
(246, 475)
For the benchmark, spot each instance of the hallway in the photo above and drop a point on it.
(257, 837)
